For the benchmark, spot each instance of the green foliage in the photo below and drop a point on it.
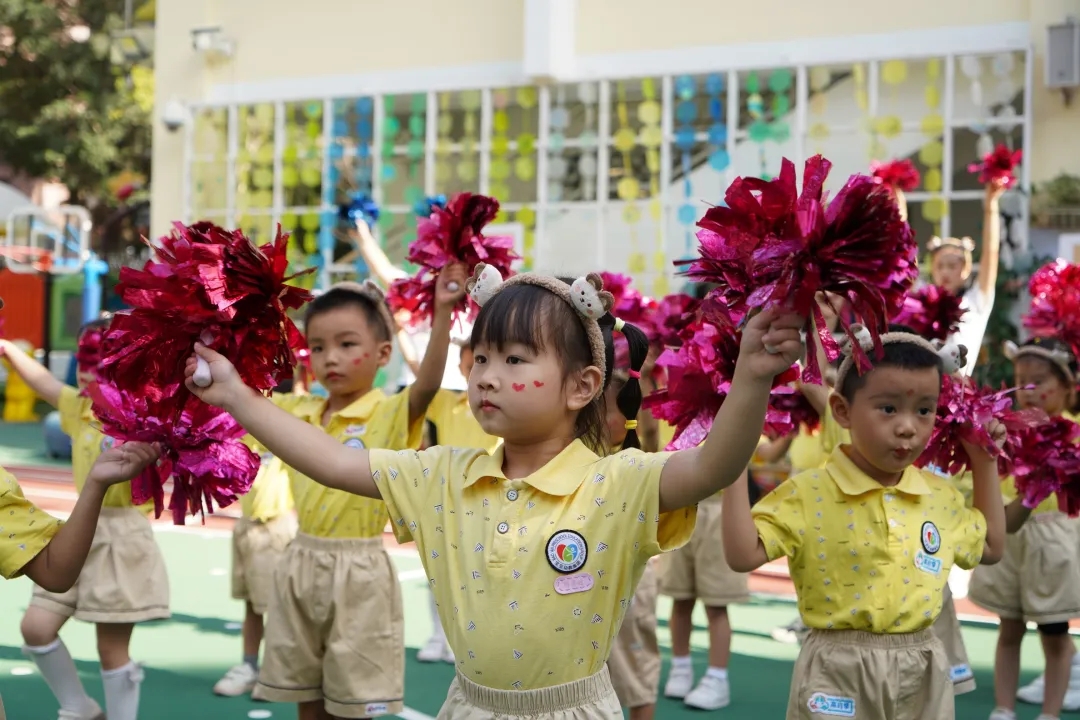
(66, 112)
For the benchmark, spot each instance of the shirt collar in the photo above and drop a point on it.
(360, 409)
(853, 481)
(561, 476)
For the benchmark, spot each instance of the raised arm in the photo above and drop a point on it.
(987, 497)
(430, 374)
(743, 548)
(1016, 514)
(33, 373)
(986, 280)
(692, 475)
(381, 267)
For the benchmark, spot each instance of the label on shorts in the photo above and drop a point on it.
(834, 705)
(927, 563)
(374, 709)
(960, 672)
(570, 584)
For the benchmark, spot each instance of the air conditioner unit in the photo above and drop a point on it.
(1063, 55)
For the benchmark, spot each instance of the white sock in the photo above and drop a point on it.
(56, 666)
(718, 673)
(436, 623)
(1006, 711)
(122, 691)
(681, 662)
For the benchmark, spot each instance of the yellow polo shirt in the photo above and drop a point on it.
(667, 433)
(269, 497)
(457, 426)
(376, 420)
(25, 529)
(532, 576)
(864, 556)
(87, 443)
(832, 435)
(806, 451)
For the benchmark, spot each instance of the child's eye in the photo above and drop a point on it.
(888, 409)
(514, 360)
(925, 411)
(479, 359)
(348, 343)
(316, 348)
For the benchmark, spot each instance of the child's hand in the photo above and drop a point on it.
(995, 189)
(225, 384)
(977, 453)
(122, 463)
(450, 287)
(771, 343)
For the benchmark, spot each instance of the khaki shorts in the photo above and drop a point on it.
(124, 579)
(335, 630)
(257, 548)
(868, 676)
(947, 629)
(634, 662)
(592, 698)
(698, 570)
(1038, 579)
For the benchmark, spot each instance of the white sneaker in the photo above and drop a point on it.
(448, 654)
(710, 694)
(1034, 692)
(1002, 714)
(433, 651)
(92, 711)
(239, 680)
(679, 682)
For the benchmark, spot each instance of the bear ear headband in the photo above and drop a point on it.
(1061, 359)
(586, 295)
(966, 244)
(953, 356)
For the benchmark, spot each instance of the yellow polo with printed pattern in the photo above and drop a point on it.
(864, 556)
(375, 420)
(269, 497)
(87, 443)
(449, 411)
(532, 576)
(25, 529)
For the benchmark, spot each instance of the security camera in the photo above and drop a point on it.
(174, 115)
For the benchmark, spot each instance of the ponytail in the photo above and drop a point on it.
(630, 396)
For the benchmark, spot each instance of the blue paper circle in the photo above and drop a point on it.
(389, 173)
(686, 111)
(714, 84)
(716, 109)
(363, 151)
(336, 151)
(687, 214)
(684, 138)
(718, 134)
(685, 87)
(341, 128)
(363, 129)
(720, 160)
(365, 106)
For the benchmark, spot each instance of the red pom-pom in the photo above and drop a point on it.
(998, 166)
(630, 305)
(963, 412)
(772, 247)
(88, 352)
(1047, 461)
(201, 451)
(932, 312)
(450, 235)
(673, 314)
(899, 174)
(1055, 303)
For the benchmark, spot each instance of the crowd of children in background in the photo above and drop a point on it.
(513, 453)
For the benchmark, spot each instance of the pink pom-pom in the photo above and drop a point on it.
(630, 305)
(963, 412)
(672, 316)
(899, 174)
(1047, 461)
(1055, 303)
(454, 234)
(998, 166)
(932, 312)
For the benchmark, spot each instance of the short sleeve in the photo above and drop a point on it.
(780, 521)
(407, 480)
(437, 410)
(970, 532)
(393, 416)
(637, 475)
(25, 529)
(290, 402)
(72, 407)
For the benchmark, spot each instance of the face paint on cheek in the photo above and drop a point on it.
(518, 388)
(537, 383)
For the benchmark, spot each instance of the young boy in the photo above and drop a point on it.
(334, 636)
(870, 540)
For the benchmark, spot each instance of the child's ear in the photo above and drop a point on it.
(585, 389)
(383, 352)
(841, 411)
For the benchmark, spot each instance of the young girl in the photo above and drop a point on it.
(124, 582)
(534, 551)
(1038, 580)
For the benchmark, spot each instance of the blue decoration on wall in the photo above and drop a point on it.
(425, 206)
(361, 206)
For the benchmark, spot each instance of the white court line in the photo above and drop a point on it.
(410, 714)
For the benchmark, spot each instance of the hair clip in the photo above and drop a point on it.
(590, 298)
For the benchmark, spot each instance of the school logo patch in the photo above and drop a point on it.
(567, 551)
(355, 442)
(931, 538)
(822, 704)
(265, 458)
(107, 443)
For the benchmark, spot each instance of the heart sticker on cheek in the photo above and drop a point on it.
(537, 383)
(518, 388)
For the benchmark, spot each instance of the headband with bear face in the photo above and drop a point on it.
(586, 296)
(965, 245)
(1061, 359)
(953, 356)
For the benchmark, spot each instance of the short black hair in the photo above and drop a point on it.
(340, 297)
(903, 355)
(1054, 345)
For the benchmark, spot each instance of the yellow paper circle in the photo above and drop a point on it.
(862, 99)
(889, 126)
(932, 125)
(526, 97)
(933, 209)
(311, 244)
(631, 214)
(470, 99)
(877, 150)
(628, 188)
(526, 216)
(290, 177)
(443, 173)
(265, 154)
(262, 177)
(500, 168)
(500, 145)
(526, 144)
(262, 199)
(656, 209)
(499, 191)
(858, 72)
(933, 97)
(524, 168)
(649, 112)
(624, 140)
(500, 121)
(894, 72)
(819, 103)
(311, 174)
(288, 221)
(661, 286)
(819, 78)
(445, 146)
(932, 153)
(818, 131)
(310, 221)
(933, 68)
(932, 180)
(636, 263)
(467, 170)
(652, 136)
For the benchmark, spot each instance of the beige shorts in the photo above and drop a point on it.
(592, 698)
(947, 629)
(698, 570)
(867, 676)
(257, 548)
(634, 663)
(124, 579)
(335, 630)
(1038, 579)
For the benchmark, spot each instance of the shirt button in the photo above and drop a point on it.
(503, 528)
(511, 495)
(892, 523)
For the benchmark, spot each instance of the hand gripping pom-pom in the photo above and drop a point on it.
(998, 166)
(201, 377)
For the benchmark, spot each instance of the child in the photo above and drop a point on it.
(534, 550)
(870, 540)
(334, 636)
(259, 539)
(1038, 579)
(125, 580)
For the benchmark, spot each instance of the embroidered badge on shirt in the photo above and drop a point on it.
(822, 704)
(567, 551)
(107, 443)
(931, 538)
(355, 442)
